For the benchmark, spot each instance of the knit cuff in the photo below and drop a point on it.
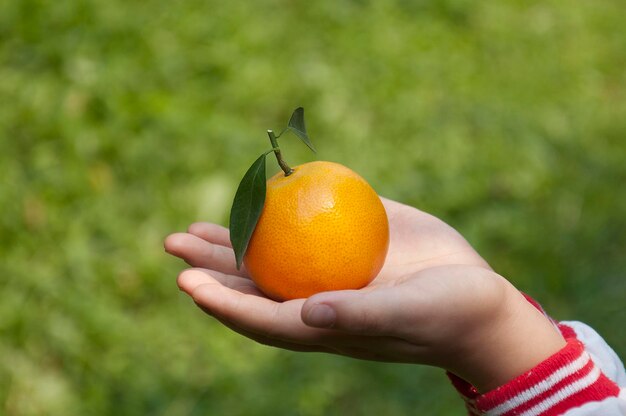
(566, 380)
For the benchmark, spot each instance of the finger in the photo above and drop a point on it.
(256, 314)
(213, 233)
(200, 253)
(278, 324)
(271, 342)
(262, 316)
(385, 349)
(376, 312)
(188, 280)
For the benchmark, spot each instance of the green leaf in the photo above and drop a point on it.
(247, 207)
(296, 125)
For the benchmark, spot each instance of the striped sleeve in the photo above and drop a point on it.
(584, 378)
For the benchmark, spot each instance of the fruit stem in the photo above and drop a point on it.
(284, 166)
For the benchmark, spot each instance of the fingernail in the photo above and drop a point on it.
(321, 316)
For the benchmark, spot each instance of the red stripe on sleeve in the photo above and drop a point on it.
(566, 380)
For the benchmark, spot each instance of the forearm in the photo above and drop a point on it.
(582, 377)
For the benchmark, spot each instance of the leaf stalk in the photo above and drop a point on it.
(283, 165)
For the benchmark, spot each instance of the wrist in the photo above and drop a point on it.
(514, 339)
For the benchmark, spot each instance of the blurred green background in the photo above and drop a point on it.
(123, 121)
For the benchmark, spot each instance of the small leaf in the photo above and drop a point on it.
(247, 207)
(296, 124)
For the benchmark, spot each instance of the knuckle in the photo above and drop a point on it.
(367, 321)
(272, 328)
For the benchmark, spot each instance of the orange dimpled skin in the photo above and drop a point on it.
(322, 228)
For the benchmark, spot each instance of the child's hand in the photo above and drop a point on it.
(435, 302)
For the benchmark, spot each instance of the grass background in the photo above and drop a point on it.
(123, 121)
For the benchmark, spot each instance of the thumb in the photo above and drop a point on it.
(360, 312)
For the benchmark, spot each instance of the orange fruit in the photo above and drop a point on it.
(322, 228)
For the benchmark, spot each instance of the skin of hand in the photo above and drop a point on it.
(435, 302)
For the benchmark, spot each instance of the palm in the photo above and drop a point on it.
(419, 241)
